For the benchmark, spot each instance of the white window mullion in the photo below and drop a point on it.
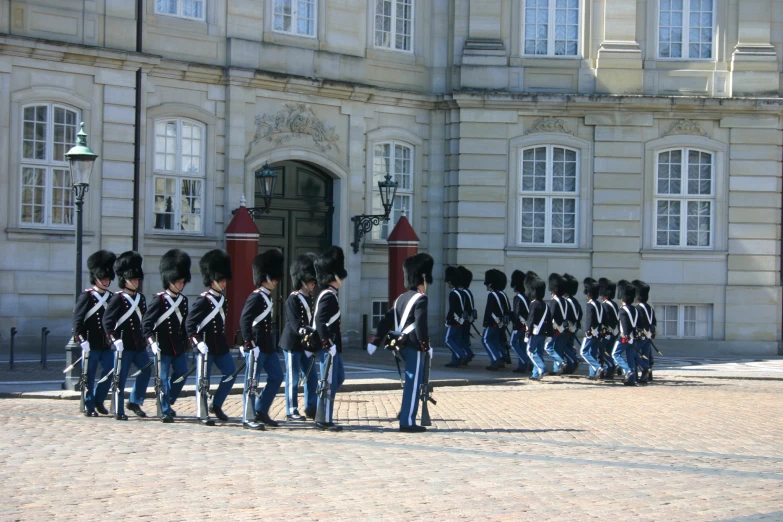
(550, 36)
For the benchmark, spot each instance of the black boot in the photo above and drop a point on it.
(166, 419)
(100, 408)
(253, 426)
(90, 414)
(328, 426)
(413, 429)
(266, 419)
(310, 413)
(218, 413)
(136, 409)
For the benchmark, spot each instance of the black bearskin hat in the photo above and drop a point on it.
(268, 265)
(607, 288)
(626, 291)
(329, 266)
(556, 284)
(464, 276)
(174, 265)
(571, 286)
(215, 265)
(534, 286)
(417, 269)
(591, 288)
(128, 266)
(101, 265)
(588, 280)
(496, 279)
(452, 275)
(518, 281)
(302, 270)
(642, 290)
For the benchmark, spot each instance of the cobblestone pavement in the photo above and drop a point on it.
(680, 449)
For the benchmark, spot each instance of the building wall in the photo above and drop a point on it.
(466, 98)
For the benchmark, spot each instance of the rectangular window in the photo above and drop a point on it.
(396, 159)
(295, 17)
(684, 321)
(191, 9)
(551, 27)
(394, 24)
(179, 181)
(379, 309)
(684, 207)
(548, 199)
(46, 191)
(685, 29)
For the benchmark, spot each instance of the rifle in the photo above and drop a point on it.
(236, 372)
(302, 380)
(117, 394)
(71, 367)
(83, 380)
(654, 347)
(324, 389)
(186, 375)
(203, 389)
(158, 385)
(144, 368)
(425, 392)
(249, 414)
(106, 377)
(394, 340)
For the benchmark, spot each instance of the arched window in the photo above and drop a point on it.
(179, 175)
(48, 132)
(396, 159)
(549, 196)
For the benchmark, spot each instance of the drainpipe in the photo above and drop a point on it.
(137, 130)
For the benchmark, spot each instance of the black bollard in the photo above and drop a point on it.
(44, 335)
(365, 336)
(11, 358)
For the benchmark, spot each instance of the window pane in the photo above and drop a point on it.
(563, 221)
(305, 17)
(667, 320)
(403, 167)
(403, 205)
(566, 28)
(563, 170)
(191, 148)
(64, 132)
(33, 187)
(700, 29)
(165, 145)
(164, 203)
(668, 223)
(166, 6)
(533, 214)
(536, 27)
(193, 8)
(670, 172)
(34, 132)
(383, 23)
(62, 197)
(699, 173)
(378, 311)
(699, 223)
(191, 205)
(534, 169)
(403, 25)
(670, 29)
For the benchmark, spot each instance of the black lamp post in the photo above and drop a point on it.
(267, 178)
(81, 159)
(363, 223)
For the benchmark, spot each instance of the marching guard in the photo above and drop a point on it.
(558, 311)
(574, 318)
(164, 328)
(259, 349)
(88, 331)
(408, 317)
(494, 318)
(455, 320)
(646, 327)
(465, 277)
(539, 324)
(330, 272)
(206, 326)
(297, 338)
(624, 352)
(611, 320)
(593, 328)
(122, 321)
(519, 315)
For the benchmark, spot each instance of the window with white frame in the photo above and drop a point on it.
(550, 28)
(394, 24)
(191, 9)
(46, 195)
(379, 308)
(396, 159)
(549, 196)
(686, 29)
(684, 321)
(295, 17)
(684, 199)
(179, 175)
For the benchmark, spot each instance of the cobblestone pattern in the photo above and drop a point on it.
(677, 450)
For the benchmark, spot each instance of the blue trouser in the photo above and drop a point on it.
(225, 364)
(491, 341)
(269, 363)
(554, 347)
(138, 359)
(454, 341)
(172, 367)
(606, 346)
(535, 350)
(414, 372)
(644, 349)
(520, 347)
(590, 354)
(466, 339)
(97, 394)
(625, 355)
(568, 352)
(336, 377)
(296, 365)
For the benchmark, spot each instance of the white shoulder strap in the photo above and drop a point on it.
(647, 313)
(459, 296)
(635, 316)
(174, 309)
(495, 317)
(524, 302)
(541, 323)
(266, 311)
(332, 319)
(306, 307)
(102, 299)
(408, 307)
(134, 307)
(599, 311)
(217, 310)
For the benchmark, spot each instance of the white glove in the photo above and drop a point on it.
(430, 352)
(202, 347)
(85, 347)
(308, 354)
(302, 331)
(119, 346)
(155, 348)
(333, 350)
(371, 348)
(242, 350)
(256, 352)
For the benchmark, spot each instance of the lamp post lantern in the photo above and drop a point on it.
(81, 160)
(363, 223)
(267, 179)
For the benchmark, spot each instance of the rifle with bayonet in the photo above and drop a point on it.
(158, 386)
(249, 392)
(425, 392)
(83, 382)
(324, 388)
(394, 341)
(202, 390)
(117, 393)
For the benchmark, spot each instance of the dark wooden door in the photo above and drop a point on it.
(299, 221)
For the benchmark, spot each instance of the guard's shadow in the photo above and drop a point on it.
(501, 430)
(618, 383)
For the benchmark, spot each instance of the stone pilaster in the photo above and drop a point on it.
(754, 63)
(619, 65)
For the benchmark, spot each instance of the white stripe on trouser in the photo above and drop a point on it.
(289, 381)
(583, 353)
(198, 377)
(414, 397)
(328, 400)
(486, 343)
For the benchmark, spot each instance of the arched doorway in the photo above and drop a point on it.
(299, 220)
